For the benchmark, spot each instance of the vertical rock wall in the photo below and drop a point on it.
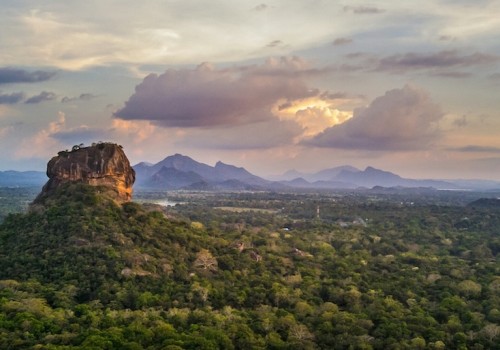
(102, 164)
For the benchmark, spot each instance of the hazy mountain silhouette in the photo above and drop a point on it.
(322, 175)
(348, 177)
(179, 171)
(12, 178)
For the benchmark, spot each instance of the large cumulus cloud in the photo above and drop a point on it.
(402, 119)
(210, 97)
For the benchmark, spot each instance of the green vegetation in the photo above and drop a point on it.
(369, 273)
(15, 199)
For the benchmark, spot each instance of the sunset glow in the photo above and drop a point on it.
(267, 86)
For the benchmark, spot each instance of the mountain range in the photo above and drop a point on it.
(182, 172)
(12, 178)
(348, 177)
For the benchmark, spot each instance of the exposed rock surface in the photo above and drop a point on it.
(102, 164)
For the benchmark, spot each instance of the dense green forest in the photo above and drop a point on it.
(15, 199)
(251, 271)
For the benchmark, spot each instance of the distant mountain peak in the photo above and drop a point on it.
(322, 175)
(220, 165)
(372, 170)
(143, 164)
(191, 173)
(177, 157)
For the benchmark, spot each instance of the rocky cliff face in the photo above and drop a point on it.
(102, 164)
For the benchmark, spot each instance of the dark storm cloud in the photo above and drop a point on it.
(41, 97)
(11, 75)
(402, 119)
(209, 97)
(442, 59)
(10, 99)
(82, 97)
(342, 41)
(363, 9)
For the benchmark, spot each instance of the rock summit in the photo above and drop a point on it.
(103, 165)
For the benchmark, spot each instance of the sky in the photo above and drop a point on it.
(411, 87)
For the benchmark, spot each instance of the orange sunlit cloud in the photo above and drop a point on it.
(313, 114)
(137, 130)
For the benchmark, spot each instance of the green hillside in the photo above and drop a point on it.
(81, 272)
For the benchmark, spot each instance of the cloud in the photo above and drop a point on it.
(446, 38)
(263, 135)
(41, 97)
(76, 37)
(477, 149)
(275, 43)
(13, 98)
(334, 95)
(210, 97)
(80, 134)
(443, 59)
(261, 7)
(448, 63)
(315, 114)
(82, 97)
(342, 41)
(317, 119)
(41, 144)
(11, 75)
(136, 131)
(453, 75)
(460, 121)
(363, 9)
(4, 130)
(402, 119)
(494, 76)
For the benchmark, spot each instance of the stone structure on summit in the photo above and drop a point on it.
(102, 164)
